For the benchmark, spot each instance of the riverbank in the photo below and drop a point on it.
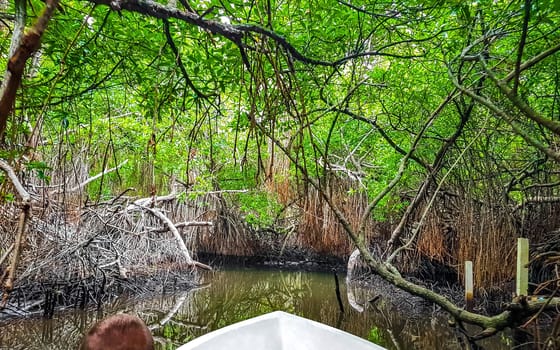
(232, 294)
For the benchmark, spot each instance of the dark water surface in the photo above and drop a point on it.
(232, 295)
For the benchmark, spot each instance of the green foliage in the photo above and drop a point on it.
(107, 81)
(259, 209)
(376, 336)
(40, 169)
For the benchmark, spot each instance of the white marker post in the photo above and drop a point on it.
(469, 285)
(522, 269)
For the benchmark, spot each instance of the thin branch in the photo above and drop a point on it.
(510, 120)
(532, 61)
(397, 232)
(521, 45)
(518, 102)
(91, 179)
(21, 228)
(179, 61)
(383, 134)
(6, 254)
(417, 228)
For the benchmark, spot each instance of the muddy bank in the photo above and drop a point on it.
(45, 298)
(88, 263)
(291, 260)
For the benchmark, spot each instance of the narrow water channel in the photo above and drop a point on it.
(232, 295)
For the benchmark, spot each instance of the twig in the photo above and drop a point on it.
(6, 254)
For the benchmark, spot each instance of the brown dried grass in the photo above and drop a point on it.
(229, 236)
(475, 232)
(320, 230)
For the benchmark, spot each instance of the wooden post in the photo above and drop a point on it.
(522, 269)
(469, 290)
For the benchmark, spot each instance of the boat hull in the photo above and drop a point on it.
(279, 331)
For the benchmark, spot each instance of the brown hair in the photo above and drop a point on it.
(118, 332)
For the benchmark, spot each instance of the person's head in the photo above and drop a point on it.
(118, 332)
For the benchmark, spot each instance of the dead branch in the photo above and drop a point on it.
(22, 223)
(180, 301)
(22, 192)
(182, 247)
(6, 254)
(353, 261)
(194, 224)
(151, 201)
(186, 224)
(93, 178)
(199, 193)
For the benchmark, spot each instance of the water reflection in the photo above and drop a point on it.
(234, 295)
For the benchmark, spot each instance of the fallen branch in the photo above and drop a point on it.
(182, 247)
(194, 223)
(152, 200)
(22, 192)
(217, 192)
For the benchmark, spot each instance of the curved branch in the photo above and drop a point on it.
(182, 247)
(385, 136)
(434, 169)
(533, 61)
(179, 61)
(23, 194)
(79, 186)
(236, 32)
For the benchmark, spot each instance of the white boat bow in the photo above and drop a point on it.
(279, 331)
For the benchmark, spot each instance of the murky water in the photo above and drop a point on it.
(236, 294)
